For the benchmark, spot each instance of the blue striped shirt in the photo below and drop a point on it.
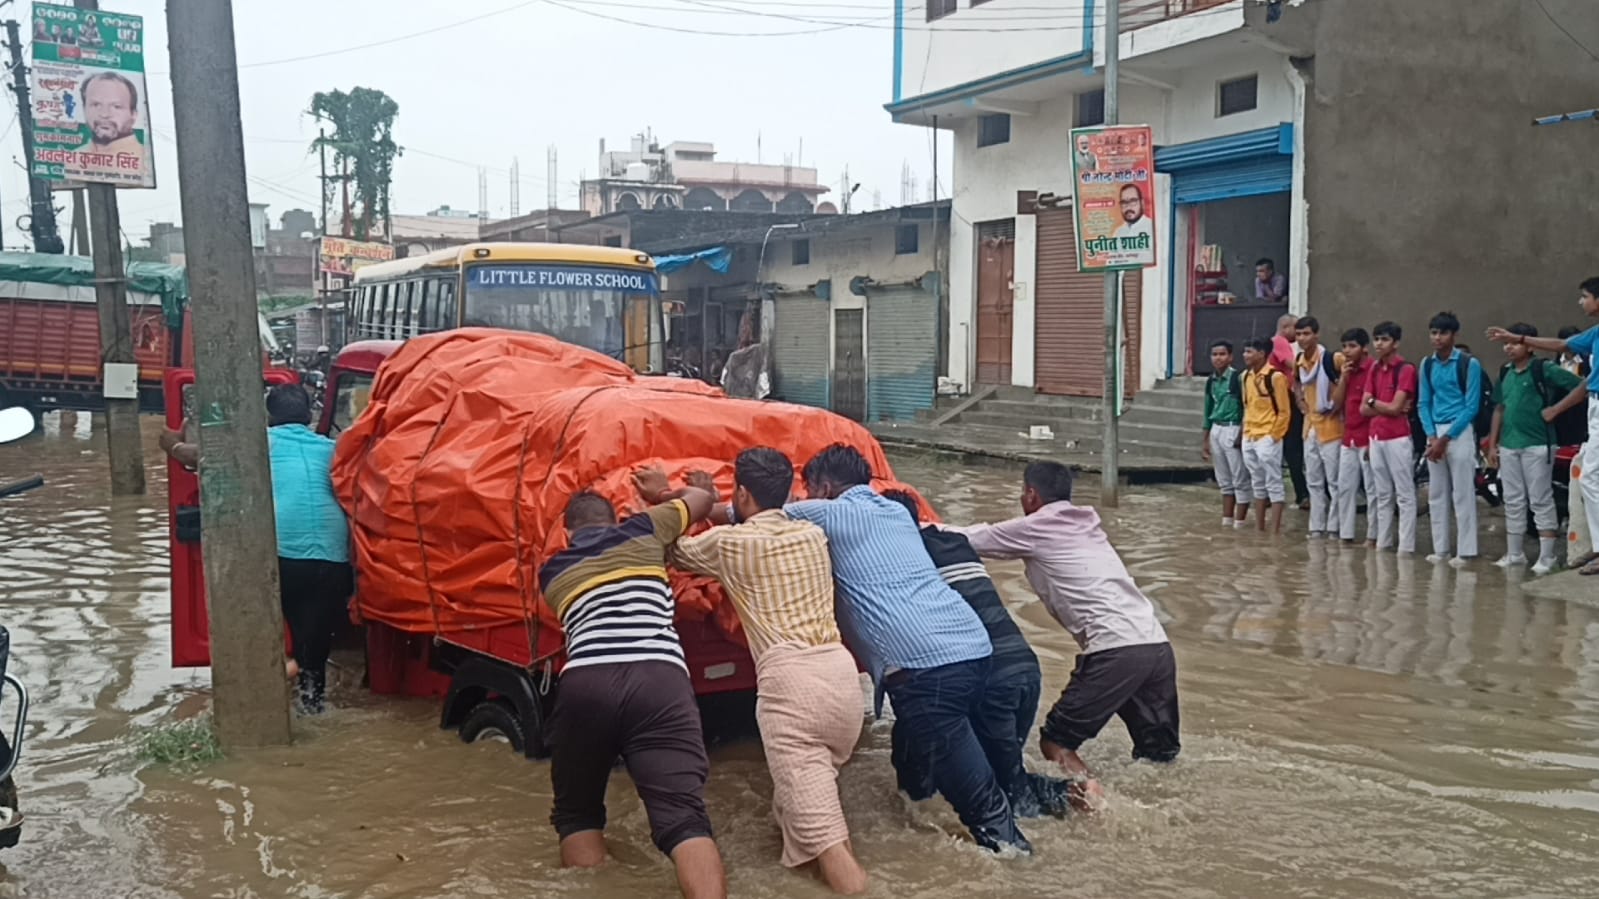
(894, 609)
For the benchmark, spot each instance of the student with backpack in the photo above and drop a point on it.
(1224, 421)
(1354, 452)
(1390, 391)
(1521, 444)
(1267, 416)
(1455, 408)
(1583, 345)
(1316, 377)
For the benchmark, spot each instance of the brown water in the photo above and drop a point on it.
(1354, 725)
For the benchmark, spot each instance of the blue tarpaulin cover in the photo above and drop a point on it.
(717, 259)
(1580, 116)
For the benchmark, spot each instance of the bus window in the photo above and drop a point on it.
(386, 311)
(446, 304)
(350, 397)
(402, 309)
(424, 309)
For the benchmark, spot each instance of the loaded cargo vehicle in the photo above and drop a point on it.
(50, 354)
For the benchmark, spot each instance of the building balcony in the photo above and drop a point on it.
(1136, 14)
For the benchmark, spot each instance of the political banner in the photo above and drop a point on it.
(1113, 203)
(90, 108)
(342, 256)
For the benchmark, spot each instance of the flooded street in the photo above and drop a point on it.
(1354, 725)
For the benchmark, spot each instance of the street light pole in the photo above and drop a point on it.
(1110, 474)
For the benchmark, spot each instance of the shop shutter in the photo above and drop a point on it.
(1068, 330)
(801, 330)
(1249, 178)
(901, 353)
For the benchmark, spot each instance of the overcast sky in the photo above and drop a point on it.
(479, 82)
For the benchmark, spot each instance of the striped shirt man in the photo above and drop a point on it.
(961, 568)
(894, 609)
(610, 591)
(777, 574)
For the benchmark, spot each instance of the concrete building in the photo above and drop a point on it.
(687, 175)
(1370, 148)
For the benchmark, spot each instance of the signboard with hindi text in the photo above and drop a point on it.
(1113, 197)
(90, 108)
(342, 256)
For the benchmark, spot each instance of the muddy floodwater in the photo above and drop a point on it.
(1353, 725)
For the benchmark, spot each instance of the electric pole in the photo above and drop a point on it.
(1110, 473)
(123, 443)
(250, 694)
(42, 211)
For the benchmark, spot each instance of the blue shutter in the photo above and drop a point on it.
(901, 352)
(801, 335)
(1267, 175)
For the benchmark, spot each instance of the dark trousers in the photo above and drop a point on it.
(1294, 455)
(934, 709)
(315, 595)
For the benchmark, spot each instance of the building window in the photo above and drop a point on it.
(1090, 109)
(1238, 95)
(938, 9)
(802, 252)
(993, 129)
(907, 240)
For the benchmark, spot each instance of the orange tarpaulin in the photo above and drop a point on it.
(458, 472)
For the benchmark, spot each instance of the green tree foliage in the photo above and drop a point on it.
(363, 137)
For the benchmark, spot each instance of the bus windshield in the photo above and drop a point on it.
(586, 305)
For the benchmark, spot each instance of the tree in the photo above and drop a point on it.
(363, 148)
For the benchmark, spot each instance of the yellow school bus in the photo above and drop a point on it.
(604, 298)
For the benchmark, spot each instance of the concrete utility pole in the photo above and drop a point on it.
(1110, 474)
(123, 442)
(251, 700)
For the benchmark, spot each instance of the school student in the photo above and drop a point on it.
(1522, 445)
(1583, 346)
(1354, 450)
(1451, 394)
(1386, 403)
(1268, 411)
(1224, 423)
(1316, 379)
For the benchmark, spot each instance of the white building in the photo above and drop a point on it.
(687, 175)
(1380, 153)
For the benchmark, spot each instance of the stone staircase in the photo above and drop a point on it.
(1160, 425)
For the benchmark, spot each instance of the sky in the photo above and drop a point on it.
(483, 82)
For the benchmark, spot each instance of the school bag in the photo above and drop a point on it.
(1484, 419)
(1570, 427)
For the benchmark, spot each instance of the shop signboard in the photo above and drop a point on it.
(90, 107)
(1113, 202)
(342, 256)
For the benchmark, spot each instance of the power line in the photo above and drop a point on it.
(1565, 31)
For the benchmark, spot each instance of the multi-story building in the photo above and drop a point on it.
(1380, 153)
(687, 175)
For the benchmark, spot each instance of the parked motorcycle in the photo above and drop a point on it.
(15, 423)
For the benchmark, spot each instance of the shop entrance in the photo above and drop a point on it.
(1225, 240)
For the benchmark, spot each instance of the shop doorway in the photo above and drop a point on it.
(849, 363)
(1225, 238)
(996, 278)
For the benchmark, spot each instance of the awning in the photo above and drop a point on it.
(717, 259)
(1587, 115)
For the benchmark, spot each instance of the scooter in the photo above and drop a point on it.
(15, 423)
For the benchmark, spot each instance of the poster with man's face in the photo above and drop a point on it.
(1113, 183)
(91, 113)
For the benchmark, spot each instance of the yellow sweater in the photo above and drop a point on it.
(1268, 407)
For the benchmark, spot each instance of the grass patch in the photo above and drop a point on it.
(187, 743)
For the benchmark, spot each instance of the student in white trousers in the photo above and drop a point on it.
(1354, 450)
(1267, 416)
(1583, 346)
(1390, 389)
(1451, 395)
(1316, 376)
(1221, 444)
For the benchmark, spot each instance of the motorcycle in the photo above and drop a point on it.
(15, 423)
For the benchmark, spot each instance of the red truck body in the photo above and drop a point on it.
(50, 352)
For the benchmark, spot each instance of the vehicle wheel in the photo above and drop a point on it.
(494, 719)
(10, 830)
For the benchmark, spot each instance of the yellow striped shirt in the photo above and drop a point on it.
(777, 573)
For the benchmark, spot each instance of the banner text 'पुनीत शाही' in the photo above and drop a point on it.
(90, 106)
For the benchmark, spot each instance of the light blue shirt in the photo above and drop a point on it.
(311, 525)
(1584, 345)
(894, 609)
(1441, 402)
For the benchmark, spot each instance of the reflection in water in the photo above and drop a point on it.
(1355, 724)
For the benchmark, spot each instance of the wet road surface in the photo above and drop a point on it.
(1354, 725)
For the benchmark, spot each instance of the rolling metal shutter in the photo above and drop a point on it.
(801, 332)
(1069, 330)
(901, 352)
(1248, 178)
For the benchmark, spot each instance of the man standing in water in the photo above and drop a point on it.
(1126, 668)
(920, 641)
(808, 702)
(625, 690)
